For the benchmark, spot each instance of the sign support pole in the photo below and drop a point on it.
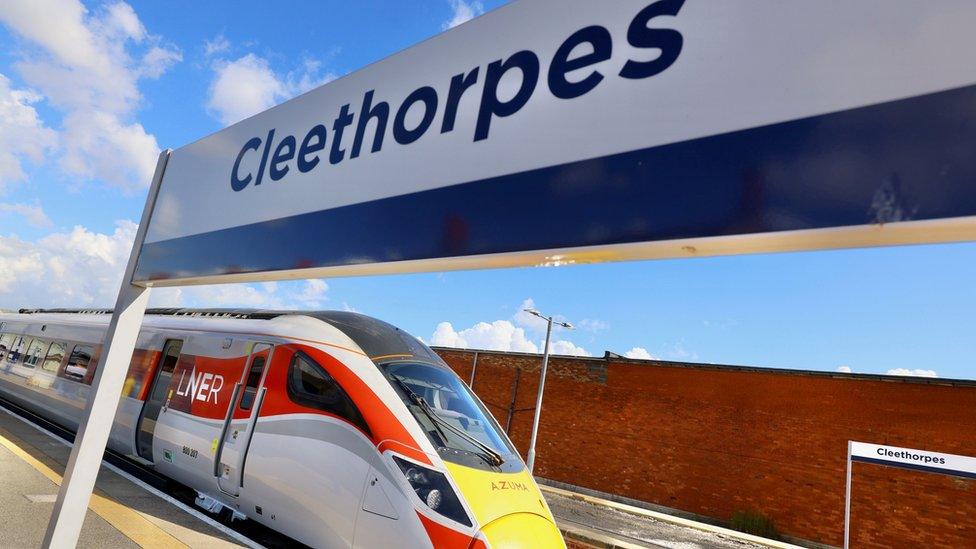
(93, 432)
(847, 501)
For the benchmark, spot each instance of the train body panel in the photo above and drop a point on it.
(324, 495)
(332, 428)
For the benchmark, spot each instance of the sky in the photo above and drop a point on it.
(89, 97)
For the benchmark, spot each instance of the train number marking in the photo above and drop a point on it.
(190, 452)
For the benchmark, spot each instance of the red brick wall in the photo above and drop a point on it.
(714, 440)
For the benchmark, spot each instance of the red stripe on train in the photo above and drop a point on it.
(202, 386)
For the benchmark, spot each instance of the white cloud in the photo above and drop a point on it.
(248, 85)
(158, 60)
(533, 323)
(64, 36)
(231, 295)
(527, 320)
(309, 76)
(505, 335)
(89, 66)
(23, 134)
(463, 11)
(33, 214)
(79, 267)
(121, 20)
(500, 335)
(219, 44)
(566, 347)
(844, 369)
(639, 353)
(313, 293)
(445, 336)
(917, 372)
(243, 88)
(103, 147)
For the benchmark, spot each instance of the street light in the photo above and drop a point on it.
(542, 382)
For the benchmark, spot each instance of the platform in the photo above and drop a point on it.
(593, 522)
(124, 512)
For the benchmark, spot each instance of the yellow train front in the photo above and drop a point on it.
(477, 481)
(470, 488)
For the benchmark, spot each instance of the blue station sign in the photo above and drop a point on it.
(562, 131)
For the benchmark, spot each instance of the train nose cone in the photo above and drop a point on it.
(523, 531)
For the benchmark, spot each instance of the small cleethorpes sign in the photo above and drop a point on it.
(919, 460)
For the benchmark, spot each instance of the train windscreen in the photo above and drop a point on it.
(453, 419)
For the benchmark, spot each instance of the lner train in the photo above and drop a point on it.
(333, 428)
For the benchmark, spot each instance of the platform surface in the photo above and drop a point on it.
(121, 513)
(591, 522)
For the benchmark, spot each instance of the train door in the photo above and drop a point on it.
(239, 423)
(157, 397)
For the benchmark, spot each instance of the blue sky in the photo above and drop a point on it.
(87, 100)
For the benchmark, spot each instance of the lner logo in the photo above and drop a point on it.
(564, 79)
(203, 386)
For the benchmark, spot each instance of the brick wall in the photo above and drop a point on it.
(713, 440)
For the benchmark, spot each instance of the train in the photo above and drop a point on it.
(333, 428)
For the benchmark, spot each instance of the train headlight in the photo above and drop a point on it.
(434, 490)
(434, 499)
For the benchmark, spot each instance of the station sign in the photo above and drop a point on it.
(904, 458)
(918, 460)
(548, 132)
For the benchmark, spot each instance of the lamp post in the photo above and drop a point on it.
(542, 382)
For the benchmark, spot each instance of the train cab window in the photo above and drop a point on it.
(6, 340)
(55, 354)
(253, 379)
(455, 421)
(78, 363)
(310, 385)
(36, 350)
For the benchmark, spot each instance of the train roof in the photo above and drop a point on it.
(379, 340)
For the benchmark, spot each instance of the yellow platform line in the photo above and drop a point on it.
(130, 523)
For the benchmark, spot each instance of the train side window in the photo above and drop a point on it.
(78, 363)
(17, 349)
(93, 364)
(253, 378)
(310, 385)
(35, 351)
(55, 355)
(6, 340)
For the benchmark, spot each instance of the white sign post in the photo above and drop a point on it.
(905, 458)
(94, 428)
(549, 132)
